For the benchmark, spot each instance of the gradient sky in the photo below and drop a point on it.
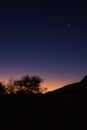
(44, 39)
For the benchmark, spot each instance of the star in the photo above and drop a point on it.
(69, 25)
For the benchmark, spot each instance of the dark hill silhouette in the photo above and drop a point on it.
(75, 88)
(70, 96)
(84, 80)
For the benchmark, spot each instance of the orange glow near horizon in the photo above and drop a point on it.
(55, 84)
(50, 84)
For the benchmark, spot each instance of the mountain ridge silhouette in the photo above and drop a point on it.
(77, 87)
(84, 80)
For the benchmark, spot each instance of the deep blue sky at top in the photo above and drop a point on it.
(35, 38)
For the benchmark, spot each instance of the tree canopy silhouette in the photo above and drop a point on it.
(29, 85)
(25, 85)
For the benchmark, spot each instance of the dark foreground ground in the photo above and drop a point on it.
(39, 112)
(62, 109)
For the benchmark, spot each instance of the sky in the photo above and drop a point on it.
(47, 39)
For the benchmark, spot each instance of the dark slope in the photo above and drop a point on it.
(70, 96)
(75, 88)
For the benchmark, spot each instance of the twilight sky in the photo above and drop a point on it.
(44, 39)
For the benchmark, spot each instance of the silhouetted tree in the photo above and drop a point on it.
(11, 88)
(2, 88)
(28, 84)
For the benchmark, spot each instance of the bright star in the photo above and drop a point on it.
(69, 25)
